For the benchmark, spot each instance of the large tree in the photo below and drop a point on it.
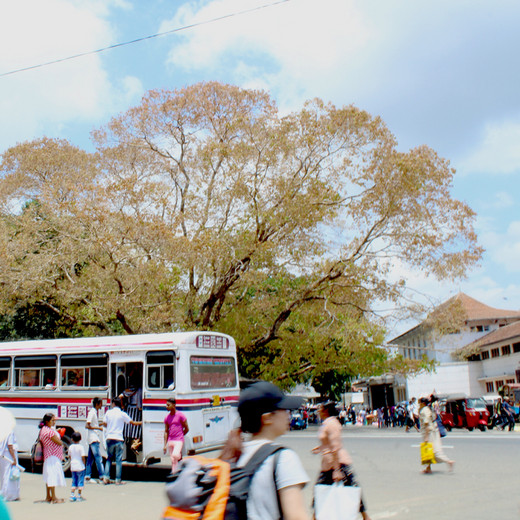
(205, 208)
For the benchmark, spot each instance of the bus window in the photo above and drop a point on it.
(84, 370)
(160, 370)
(212, 372)
(37, 371)
(5, 365)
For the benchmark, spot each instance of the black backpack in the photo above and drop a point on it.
(212, 488)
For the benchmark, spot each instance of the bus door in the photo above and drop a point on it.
(127, 383)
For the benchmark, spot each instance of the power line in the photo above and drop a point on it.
(137, 40)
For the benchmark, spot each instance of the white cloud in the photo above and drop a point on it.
(294, 45)
(498, 152)
(46, 99)
(506, 248)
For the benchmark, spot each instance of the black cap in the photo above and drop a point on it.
(266, 397)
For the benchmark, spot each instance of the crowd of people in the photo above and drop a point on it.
(109, 431)
(404, 414)
(265, 415)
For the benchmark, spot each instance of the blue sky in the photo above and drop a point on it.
(439, 73)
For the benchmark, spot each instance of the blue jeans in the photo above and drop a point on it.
(94, 454)
(78, 479)
(114, 452)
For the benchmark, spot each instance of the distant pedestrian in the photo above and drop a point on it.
(77, 468)
(430, 433)
(175, 428)
(94, 428)
(412, 415)
(115, 420)
(508, 413)
(53, 475)
(336, 463)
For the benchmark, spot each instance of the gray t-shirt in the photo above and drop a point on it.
(262, 503)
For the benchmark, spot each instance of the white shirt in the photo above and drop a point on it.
(76, 453)
(262, 503)
(116, 419)
(93, 420)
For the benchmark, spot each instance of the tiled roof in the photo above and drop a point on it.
(501, 334)
(472, 310)
(476, 310)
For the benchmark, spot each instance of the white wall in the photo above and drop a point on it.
(449, 378)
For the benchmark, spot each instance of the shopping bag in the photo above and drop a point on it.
(14, 473)
(427, 456)
(336, 502)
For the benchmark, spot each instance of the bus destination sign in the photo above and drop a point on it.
(207, 341)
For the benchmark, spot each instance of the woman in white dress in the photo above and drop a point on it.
(9, 471)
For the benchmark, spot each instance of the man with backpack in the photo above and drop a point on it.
(254, 479)
(276, 487)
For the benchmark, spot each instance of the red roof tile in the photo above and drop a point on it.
(475, 310)
(501, 334)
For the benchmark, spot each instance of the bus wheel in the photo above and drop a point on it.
(67, 441)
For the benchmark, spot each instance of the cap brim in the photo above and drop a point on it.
(290, 402)
(7, 423)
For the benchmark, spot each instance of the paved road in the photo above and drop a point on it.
(484, 484)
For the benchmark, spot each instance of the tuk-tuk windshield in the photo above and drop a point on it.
(477, 404)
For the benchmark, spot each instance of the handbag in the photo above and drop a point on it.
(427, 456)
(37, 452)
(336, 502)
(441, 427)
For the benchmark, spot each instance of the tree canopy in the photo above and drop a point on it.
(204, 208)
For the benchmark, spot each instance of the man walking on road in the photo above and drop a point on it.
(412, 415)
(115, 420)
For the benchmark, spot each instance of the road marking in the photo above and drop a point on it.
(444, 446)
(388, 514)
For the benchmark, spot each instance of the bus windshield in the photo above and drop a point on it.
(212, 372)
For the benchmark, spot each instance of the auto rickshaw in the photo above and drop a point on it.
(464, 412)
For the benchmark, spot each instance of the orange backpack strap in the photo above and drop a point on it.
(216, 507)
(172, 513)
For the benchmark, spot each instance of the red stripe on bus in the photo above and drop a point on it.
(52, 400)
(191, 401)
(104, 346)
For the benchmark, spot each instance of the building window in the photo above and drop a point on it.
(510, 381)
(478, 328)
(495, 352)
(489, 387)
(516, 347)
(499, 385)
(485, 354)
(506, 350)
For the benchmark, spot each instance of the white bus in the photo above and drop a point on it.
(62, 377)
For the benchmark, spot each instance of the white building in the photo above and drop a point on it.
(461, 367)
(476, 347)
(495, 358)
